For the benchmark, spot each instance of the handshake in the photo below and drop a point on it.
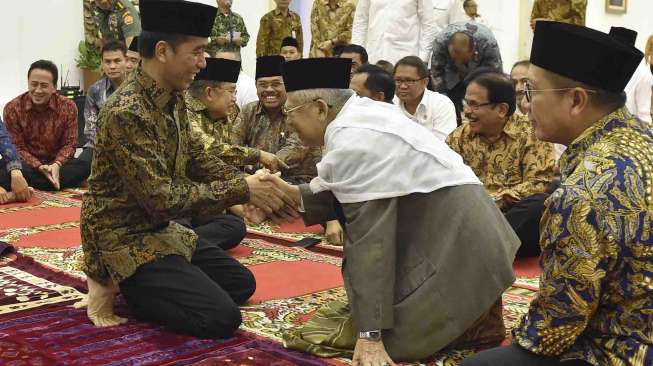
(277, 199)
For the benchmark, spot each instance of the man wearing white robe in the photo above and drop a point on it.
(427, 254)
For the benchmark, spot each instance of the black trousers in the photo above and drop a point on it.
(515, 356)
(199, 298)
(224, 231)
(456, 94)
(72, 174)
(87, 155)
(524, 217)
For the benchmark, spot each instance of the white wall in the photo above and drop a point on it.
(51, 29)
(38, 29)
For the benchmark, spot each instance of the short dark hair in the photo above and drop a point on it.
(521, 63)
(354, 48)
(387, 66)
(114, 45)
(378, 80)
(416, 62)
(46, 65)
(498, 85)
(147, 41)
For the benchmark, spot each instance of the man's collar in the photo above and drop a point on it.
(278, 12)
(588, 137)
(193, 103)
(339, 3)
(260, 109)
(159, 95)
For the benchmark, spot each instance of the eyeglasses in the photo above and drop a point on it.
(407, 82)
(230, 91)
(474, 107)
(287, 110)
(528, 92)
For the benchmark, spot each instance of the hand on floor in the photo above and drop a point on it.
(369, 353)
(99, 304)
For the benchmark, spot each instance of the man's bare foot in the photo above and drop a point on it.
(99, 304)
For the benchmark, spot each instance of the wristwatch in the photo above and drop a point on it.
(373, 335)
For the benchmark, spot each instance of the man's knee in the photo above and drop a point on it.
(221, 322)
(247, 286)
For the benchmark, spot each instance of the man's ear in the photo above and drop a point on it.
(162, 50)
(580, 101)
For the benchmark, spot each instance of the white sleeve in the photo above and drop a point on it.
(443, 116)
(428, 28)
(361, 21)
(643, 98)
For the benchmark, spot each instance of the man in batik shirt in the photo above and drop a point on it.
(566, 11)
(263, 124)
(229, 31)
(277, 25)
(595, 302)
(331, 22)
(500, 146)
(149, 171)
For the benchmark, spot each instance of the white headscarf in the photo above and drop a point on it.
(373, 151)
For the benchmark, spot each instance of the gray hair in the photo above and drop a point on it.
(335, 98)
(197, 87)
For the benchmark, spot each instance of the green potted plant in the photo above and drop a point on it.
(89, 61)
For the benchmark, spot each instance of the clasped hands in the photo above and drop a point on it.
(278, 199)
(51, 172)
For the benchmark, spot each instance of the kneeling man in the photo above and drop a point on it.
(149, 171)
(407, 201)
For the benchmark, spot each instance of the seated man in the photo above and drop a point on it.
(500, 146)
(357, 54)
(113, 67)
(13, 186)
(518, 76)
(402, 270)
(43, 126)
(263, 125)
(246, 86)
(595, 298)
(209, 100)
(149, 171)
(428, 108)
(290, 49)
(373, 82)
(133, 56)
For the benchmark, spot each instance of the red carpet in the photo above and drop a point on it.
(282, 280)
(527, 267)
(35, 201)
(63, 238)
(60, 335)
(299, 227)
(39, 217)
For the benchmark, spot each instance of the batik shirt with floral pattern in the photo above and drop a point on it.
(331, 23)
(255, 128)
(595, 301)
(517, 165)
(566, 11)
(148, 171)
(273, 28)
(216, 135)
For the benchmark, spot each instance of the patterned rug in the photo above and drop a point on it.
(310, 279)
